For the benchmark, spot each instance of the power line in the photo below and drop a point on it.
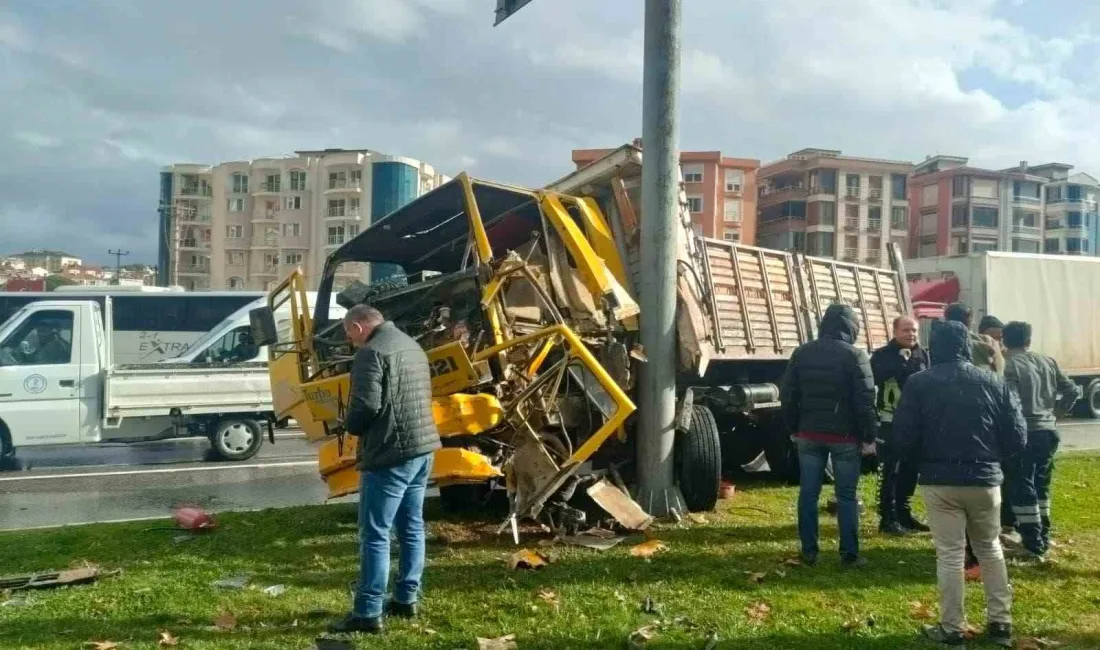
(118, 263)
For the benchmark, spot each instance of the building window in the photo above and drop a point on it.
(355, 178)
(929, 195)
(898, 218)
(353, 230)
(1054, 223)
(335, 235)
(821, 243)
(985, 217)
(337, 207)
(1054, 194)
(898, 186)
(297, 180)
(695, 204)
(1024, 218)
(828, 213)
(292, 202)
(874, 183)
(693, 173)
(929, 223)
(851, 215)
(823, 181)
(874, 218)
(234, 258)
(798, 241)
(959, 215)
(960, 185)
(1052, 246)
(983, 245)
(735, 180)
(235, 205)
(731, 235)
(1025, 246)
(238, 182)
(1073, 220)
(1074, 245)
(851, 182)
(236, 284)
(353, 207)
(272, 182)
(1073, 194)
(927, 249)
(732, 210)
(292, 230)
(234, 232)
(337, 180)
(293, 259)
(874, 244)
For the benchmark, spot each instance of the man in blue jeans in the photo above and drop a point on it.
(390, 412)
(828, 398)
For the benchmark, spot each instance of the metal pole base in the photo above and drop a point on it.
(662, 503)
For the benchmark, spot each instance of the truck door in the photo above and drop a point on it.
(40, 377)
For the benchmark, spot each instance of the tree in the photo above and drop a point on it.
(55, 281)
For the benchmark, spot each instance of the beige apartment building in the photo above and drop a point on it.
(245, 225)
(823, 203)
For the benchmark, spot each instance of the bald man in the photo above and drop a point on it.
(892, 365)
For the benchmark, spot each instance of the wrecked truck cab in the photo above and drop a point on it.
(518, 313)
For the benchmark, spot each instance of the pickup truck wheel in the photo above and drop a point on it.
(236, 439)
(698, 454)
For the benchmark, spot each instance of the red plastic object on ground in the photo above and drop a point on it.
(193, 518)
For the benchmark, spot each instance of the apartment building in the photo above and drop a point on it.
(1071, 221)
(52, 261)
(963, 209)
(827, 204)
(245, 225)
(721, 191)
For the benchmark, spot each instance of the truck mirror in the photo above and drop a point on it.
(262, 321)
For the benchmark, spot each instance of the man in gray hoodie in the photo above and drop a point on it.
(1043, 390)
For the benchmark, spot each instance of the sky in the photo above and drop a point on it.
(97, 95)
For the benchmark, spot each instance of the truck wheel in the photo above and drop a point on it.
(698, 456)
(7, 449)
(1091, 406)
(236, 439)
(782, 457)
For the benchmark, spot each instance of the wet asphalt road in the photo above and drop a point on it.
(67, 486)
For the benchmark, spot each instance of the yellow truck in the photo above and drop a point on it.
(525, 301)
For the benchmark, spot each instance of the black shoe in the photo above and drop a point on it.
(353, 623)
(937, 634)
(891, 527)
(809, 559)
(853, 562)
(909, 522)
(1000, 634)
(404, 610)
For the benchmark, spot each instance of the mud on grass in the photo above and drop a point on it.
(728, 574)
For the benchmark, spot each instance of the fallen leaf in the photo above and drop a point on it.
(225, 621)
(167, 639)
(697, 517)
(642, 635)
(102, 645)
(500, 643)
(1036, 643)
(920, 611)
(757, 578)
(792, 561)
(527, 559)
(758, 612)
(649, 548)
(550, 598)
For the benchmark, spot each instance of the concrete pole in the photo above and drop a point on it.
(660, 204)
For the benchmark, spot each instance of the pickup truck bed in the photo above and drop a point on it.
(150, 390)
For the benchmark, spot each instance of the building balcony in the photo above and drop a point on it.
(874, 225)
(196, 191)
(266, 188)
(875, 194)
(267, 269)
(266, 215)
(1028, 231)
(265, 242)
(899, 227)
(194, 270)
(195, 218)
(851, 193)
(874, 258)
(816, 190)
(769, 196)
(194, 244)
(353, 214)
(851, 255)
(851, 224)
(1026, 200)
(334, 241)
(236, 243)
(336, 187)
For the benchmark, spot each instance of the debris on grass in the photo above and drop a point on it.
(225, 621)
(166, 639)
(1037, 643)
(528, 559)
(274, 590)
(101, 645)
(232, 582)
(550, 597)
(756, 578)
(792, 561)
(711, 642)
(642, 635)
(697, 518)
(648, 548)
(920, 611)
(594, 542)
(54, 579)
(758, 613)
(507, 642)
(16, 601)
(619, 505)
(650, 606)
(727, 490)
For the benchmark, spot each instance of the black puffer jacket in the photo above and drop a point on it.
(957, 420)
(828, 387)
(390, 409)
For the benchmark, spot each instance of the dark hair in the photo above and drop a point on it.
(990, 322)
(1017, 335)
(958, 312)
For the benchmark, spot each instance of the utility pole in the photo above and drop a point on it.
(118, 263)
(657, 492)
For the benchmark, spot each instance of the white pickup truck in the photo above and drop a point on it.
(58, 387)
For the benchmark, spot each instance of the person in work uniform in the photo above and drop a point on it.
(892, 365)
(1044, 390)
(984, 350)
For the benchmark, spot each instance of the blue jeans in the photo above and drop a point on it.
(388, 497)
(812, 457)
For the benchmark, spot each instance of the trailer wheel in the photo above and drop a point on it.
(236, 439)
(698, 454)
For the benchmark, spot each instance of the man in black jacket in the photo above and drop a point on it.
(390, 412)
(960, 423)
(892, 365)
(828, 398)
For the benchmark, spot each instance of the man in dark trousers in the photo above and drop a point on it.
(892, 366)
(960, 423)
(1044, 391)
(828, 398)
(390, 412)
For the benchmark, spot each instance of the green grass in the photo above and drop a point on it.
(700, 584)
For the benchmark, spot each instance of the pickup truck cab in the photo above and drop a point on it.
(58, 387)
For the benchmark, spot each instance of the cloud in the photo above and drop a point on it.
(97, 98)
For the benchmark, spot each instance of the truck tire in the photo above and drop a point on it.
(698, 455)
(236, 439)
(782, 458)
(7, 449)
(1091, 402)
